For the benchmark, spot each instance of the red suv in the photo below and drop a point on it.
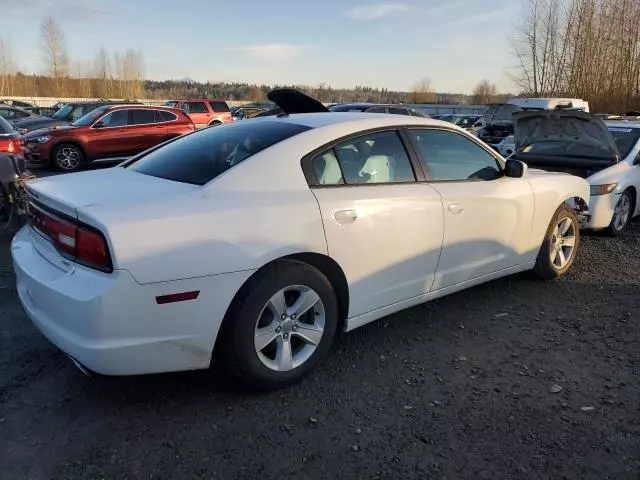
(109, 133)
(204, 111)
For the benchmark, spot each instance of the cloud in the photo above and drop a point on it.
(270, 51)
(496, 16)
(376, 11)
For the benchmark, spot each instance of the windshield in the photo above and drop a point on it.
(64, 112)
(625, 139)
(200, 157)
(89, 117)
(350, 108)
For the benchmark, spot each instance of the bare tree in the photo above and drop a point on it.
(422, 92)
(7, 68)
(485, 92)
(102, 73)
(54, 52)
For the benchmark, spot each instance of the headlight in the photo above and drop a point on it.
(42, 138)
(603, 189)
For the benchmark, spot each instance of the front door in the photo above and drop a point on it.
(199, 113)
(487, 216)
(384, 229)
(110, 136)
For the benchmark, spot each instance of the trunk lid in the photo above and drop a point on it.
(574, 142)
(293, 101)
(112, 186)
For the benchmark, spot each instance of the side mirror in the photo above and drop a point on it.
(99, 124)
(515, 169)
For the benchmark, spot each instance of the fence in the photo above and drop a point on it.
(433, 109)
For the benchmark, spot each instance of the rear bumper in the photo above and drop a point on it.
(113, 325)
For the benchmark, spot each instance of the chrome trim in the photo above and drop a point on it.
(137, 124)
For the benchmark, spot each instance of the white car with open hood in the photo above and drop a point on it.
(264, 238)
(607, 155)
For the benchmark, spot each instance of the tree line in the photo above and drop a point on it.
(587, 49)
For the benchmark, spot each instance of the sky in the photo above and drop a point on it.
(342, 43)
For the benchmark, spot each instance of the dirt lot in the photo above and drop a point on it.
(465, 387)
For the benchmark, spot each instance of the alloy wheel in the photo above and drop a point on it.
(68, 158)
(621, 212)
(563, 242)
(289, 328)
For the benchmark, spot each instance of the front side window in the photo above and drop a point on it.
(119, 118)
(398, 111)
(377, 110)
(449, 156)
(375, 158)
(197, 107)
(208, 153)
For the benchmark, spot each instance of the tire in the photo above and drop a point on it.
(268, 367)
(215, 123)
(550, 265)
(67, 157)
(621, 215)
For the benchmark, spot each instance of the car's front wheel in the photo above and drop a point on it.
(621, 214)
(68, 157)
(560, 245)
(281, 326)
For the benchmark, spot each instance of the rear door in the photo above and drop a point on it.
(382, 227)
(487, 216)
(145, 129)
(199, 113)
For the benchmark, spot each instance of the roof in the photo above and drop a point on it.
(353, 119)
(198, 100)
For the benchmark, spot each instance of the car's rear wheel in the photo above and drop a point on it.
(68, 157)
(281, 326)
(560, 245)
(215, 123)
(621, 214)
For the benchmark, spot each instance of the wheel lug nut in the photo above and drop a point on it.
(278, 329)
(286, 336)
(283, 317)
(294, 328)
(293, 317)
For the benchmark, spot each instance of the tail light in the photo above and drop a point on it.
(16, 145)
(76, 242)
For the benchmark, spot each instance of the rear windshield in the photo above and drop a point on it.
(5, 127)
(200, 157)
(625, 139)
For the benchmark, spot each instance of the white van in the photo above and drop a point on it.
(550, 104)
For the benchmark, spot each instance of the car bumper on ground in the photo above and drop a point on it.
(35, 155)
(112, 325)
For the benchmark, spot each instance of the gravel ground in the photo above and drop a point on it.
(515, 379)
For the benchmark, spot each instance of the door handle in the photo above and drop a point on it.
(344, 217)
(455, 209)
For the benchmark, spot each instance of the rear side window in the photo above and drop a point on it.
(141, 117)
(197, 107)
(398, 111)
(219, 107)
(162, 116)
(5, 127)
(206, 154)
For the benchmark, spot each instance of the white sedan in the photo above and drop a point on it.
(579, 143)
(262, 239)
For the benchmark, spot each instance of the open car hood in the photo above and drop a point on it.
(291, 101)
(563, 126)
(500, 113)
